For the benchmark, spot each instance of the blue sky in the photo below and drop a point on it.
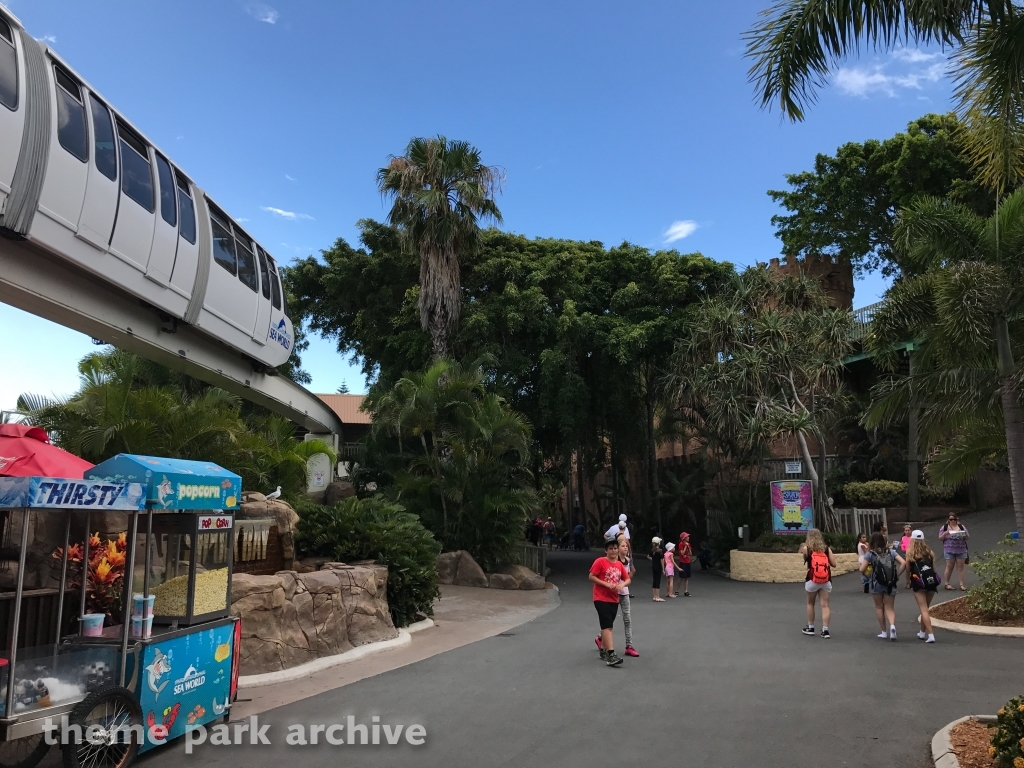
(614, 121)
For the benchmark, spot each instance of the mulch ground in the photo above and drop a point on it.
(958, 610)
(971, 741)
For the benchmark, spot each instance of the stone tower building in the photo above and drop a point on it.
(834, 273)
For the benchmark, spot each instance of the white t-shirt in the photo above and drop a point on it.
(614, 531)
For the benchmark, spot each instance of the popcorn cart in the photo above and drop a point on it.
(154, 649)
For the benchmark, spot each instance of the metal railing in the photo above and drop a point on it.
(862, 320)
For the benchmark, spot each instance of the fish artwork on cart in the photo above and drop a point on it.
(154, 671)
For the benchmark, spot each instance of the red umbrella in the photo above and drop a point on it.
(26, 451)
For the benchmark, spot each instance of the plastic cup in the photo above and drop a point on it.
(142, 607)
(141, 627)
(92, 625)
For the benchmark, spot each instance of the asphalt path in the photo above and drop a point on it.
(725, 678)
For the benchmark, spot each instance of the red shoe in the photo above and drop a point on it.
(631, 651)
(598, 641)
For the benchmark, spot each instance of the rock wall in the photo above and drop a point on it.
(291, 618)
(461, 569)
(780, 567)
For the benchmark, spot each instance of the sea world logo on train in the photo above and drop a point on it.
(194, 492)
(280, 334)
(77, 494)
(191, 680)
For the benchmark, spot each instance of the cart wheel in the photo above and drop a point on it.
(114, 710)
(23, 753)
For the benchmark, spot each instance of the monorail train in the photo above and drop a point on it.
(77, 179)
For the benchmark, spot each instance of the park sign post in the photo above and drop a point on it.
(792, 506)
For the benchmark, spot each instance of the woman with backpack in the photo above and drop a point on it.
(922, 578)
(820, 563)
(885, 565)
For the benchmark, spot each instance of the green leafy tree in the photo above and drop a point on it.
(849, 204)
(964, 309)
(797, 42)
(129, 405)
(764, 361)
(440, 190)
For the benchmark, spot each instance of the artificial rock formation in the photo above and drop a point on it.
(256, 506)
(291, 618)
(461, 569)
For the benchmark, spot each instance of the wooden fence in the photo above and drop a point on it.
(533, 557)
(857, 521)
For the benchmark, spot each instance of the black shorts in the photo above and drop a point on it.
(657, 579)
(684, 570)
(606, 613)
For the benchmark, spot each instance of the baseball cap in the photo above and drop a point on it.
(622, 518)
(919, 535)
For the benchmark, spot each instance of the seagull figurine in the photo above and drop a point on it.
(275, 494)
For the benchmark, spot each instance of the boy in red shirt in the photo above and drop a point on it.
(608, 576)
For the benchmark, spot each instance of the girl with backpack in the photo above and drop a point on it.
(923, 579)
(820, 562)
(885, 565)
(657, 558)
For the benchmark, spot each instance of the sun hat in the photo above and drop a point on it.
(684, 535)
(656, 540)
(670, 546)
(919, 535)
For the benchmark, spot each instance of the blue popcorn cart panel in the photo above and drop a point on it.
(174, 484)
(187, 680)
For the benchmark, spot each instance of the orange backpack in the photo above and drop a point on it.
(821, 571)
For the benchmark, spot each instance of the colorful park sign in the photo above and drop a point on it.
(792, 509)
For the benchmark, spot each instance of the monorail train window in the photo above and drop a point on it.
(103, 139)
(187, 226)
(8, 67)
(246, 261)
(168, 209)
(223, 244)
(264, 273)
(136, 174)
(275, 288)
(71, 130)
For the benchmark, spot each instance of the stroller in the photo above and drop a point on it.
(563, 543)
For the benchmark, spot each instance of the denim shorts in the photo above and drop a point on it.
(954, 555)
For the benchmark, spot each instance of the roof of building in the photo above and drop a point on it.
(347, 408)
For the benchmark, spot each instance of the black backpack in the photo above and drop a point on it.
(926, 573)
(885, 571)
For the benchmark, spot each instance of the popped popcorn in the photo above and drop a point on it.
(211, 594)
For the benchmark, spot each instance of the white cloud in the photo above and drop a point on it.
(262, 12)
(289, 177)
(679, 229)
(49, 38)
(881, 78)
(290, 215)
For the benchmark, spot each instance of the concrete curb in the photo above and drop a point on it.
(977, 629)
(942, 749)
(318, 665)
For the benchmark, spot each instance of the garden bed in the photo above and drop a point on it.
(961, 612)
(970, 741)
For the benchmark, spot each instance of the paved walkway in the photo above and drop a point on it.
(725, 679)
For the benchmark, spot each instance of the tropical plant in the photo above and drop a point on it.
(764, 361)
(962, 309)
(463, 458)
(1000, 595)
(104, 574)
(1008, 736)
(126, 404)
(797, 42)
(375, 529)
(440, 191)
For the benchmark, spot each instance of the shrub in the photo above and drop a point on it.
(936, 494)
(875, 493)
(1001, 592)
(1008, 740)
(373, 529)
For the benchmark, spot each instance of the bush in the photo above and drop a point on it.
(875, 493)
(889, 493)
(1001, 592)
(373, 529)
(1008, 740)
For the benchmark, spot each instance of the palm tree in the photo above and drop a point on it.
(797, 42)
(963, 310)
(441, 191)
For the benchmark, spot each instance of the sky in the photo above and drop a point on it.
(613, 121)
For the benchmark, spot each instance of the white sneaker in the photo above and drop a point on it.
(883, 636)
(892, 633)
(921, 635)
(931, 639)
